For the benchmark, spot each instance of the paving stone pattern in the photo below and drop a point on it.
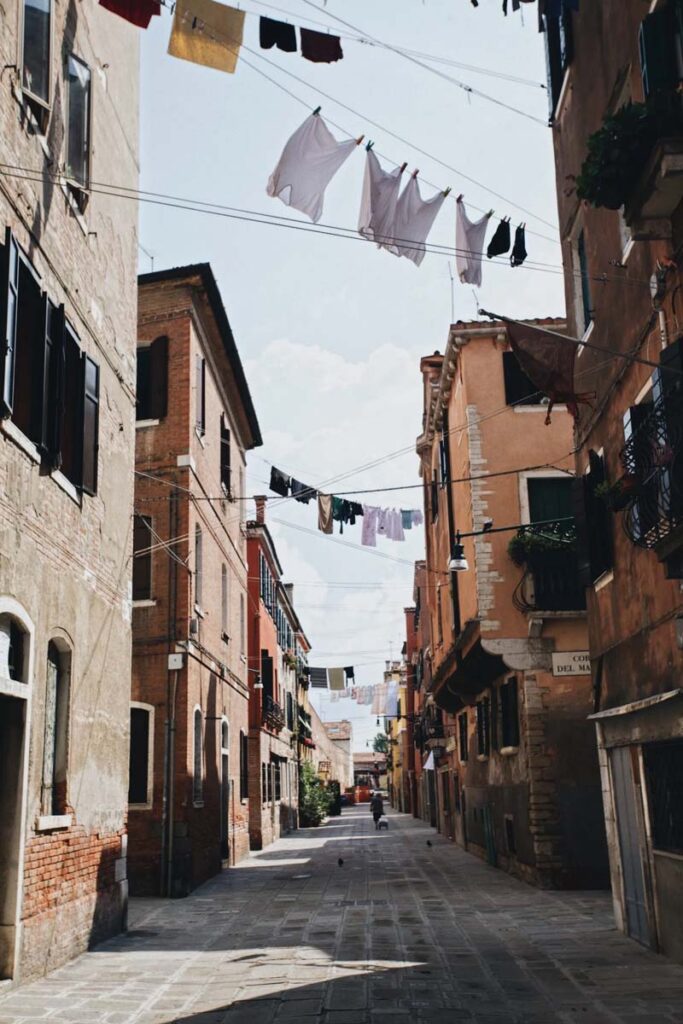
(402, 932)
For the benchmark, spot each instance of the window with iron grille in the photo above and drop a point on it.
(484, 727)
(664, 774)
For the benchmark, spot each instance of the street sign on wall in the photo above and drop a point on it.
(571, 663)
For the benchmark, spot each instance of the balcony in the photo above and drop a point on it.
(658, 192)
(551, 583)
(273, 715)
(653, 518)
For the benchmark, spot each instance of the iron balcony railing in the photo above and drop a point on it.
(273, 715)
(551, 583)
(652, 456)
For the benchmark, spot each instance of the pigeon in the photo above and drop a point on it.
(340, 862)
(429, 842)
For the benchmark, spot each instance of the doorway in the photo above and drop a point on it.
(628, 806)
(225, 793)
(12, 740)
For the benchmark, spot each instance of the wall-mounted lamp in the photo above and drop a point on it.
(458, 562)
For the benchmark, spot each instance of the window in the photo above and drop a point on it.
(264, 783)
(664, 772)
(198, 759)
(269, 781)
(509, 714)
(586, 305)
(225, 458)
(434, 497)
(659, 46)
(267, 674)
(462, 735)
(50, 388)
(276, 769)
(518, 388)
(56, 724)
(242, 625)
(484, 727)
(559, 51)
(224, 602)
(151, 389)
(244, 766)
(593, 523)
(13, 650)
(78, 120)
(37, 39)
(439, 614)
(550, 498)
(443, 460)
(581, 285)
(140, 755)
(290, 712)
(198, 565)
(200, 395)
(510, 834)
(142, 558)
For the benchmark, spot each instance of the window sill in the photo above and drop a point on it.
(482, 757)
(53, 822)
(21, 440)
(144, 602)
(141, 424)
(198, 610)
(508, 751)
(198, 803)
(66, 486)
(140, 807)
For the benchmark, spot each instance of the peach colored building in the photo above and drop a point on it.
(504, 728)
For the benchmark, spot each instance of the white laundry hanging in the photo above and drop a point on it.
(309, 161)
(414, 219)
(378, 203)
(469, 244)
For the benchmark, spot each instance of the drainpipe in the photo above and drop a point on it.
(173, 679)
(171, 689)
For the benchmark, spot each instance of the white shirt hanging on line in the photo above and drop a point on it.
(378, 203)
(469, 245)
(309, 161)
(414, 219)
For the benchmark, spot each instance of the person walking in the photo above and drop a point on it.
(377, 808)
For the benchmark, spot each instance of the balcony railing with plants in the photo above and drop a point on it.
(273, 715)
(653, 466)
(550, 561)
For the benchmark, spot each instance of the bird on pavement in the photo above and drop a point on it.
(429, 842)
(340, 862)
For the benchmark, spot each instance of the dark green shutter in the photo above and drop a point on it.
(9, 288)
(91, 404)
(656, 45)
(158, 378)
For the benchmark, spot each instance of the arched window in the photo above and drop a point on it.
(14, 649)
(198, 565)
(55, 747)
(198, 762)
(224, 602)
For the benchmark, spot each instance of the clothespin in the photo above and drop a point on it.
(368, 146)
(460, 198)
(403, 167)
(359, 139)
(447, 190)
(316, 111)
(194, 23)
(415, 173)
(490, 213)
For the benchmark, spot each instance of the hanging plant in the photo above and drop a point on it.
(527, 543)
(618, 152)
(620, 494)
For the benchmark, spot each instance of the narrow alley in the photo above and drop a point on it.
(343, 925)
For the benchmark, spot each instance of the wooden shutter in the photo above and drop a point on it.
(52, 384)
(657, 52)
(267, 674)
(553, 61)
(158, 378)
(91, 412)
(9, 299)
(225, 457)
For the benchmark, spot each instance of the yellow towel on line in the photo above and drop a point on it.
(215, 39)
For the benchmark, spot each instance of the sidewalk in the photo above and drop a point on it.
(401, 932)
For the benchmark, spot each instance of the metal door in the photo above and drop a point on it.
(626, 795)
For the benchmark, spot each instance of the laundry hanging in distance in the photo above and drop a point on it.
(207, 33)
(309, 161)
(378, 202)
(519, 253)
(320, 47)
(137, 12)
(277, 33)
(501, 241)
(415, 217)
(469, 244)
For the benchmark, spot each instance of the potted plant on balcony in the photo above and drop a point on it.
(620, 494)
(526, 544)
(619, 150)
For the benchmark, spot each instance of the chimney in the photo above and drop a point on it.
(260, 500)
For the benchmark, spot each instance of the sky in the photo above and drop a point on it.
(331, 330)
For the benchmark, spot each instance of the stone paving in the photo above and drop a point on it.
(401, 932)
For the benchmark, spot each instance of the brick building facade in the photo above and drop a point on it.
(278, 650)
(188, 792)
(505, 727)
(67, 373)
(601, 59)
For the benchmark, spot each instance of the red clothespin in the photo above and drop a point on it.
(415, 173)
(359, 139)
